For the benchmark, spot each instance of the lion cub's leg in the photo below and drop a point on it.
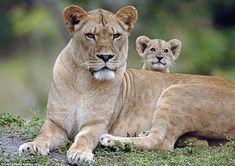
(49, 138)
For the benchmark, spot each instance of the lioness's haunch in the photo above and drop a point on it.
(158, 55)
(92, 94)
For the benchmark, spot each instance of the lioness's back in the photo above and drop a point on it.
(161, 80)
(143, 89)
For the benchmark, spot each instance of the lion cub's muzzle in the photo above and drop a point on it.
(159, 61)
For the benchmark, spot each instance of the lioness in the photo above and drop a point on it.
(92, 93)
(158, 55)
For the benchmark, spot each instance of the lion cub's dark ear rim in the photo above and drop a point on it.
(141, 44)
(72, 16)
(175, 47)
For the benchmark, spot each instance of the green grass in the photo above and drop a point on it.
(119, 154)
(19, 128)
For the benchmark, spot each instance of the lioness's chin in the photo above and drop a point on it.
(104, 74)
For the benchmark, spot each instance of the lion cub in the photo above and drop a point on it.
(158, 54)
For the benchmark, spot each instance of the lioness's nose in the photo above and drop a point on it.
(105, 57)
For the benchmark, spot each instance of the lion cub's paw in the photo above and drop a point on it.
(77, 157)
(144, 134)
(107, 140)
(33, 148)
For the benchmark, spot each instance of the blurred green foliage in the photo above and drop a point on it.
(32, 33)
(32, 21)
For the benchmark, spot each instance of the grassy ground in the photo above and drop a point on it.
(14, 131)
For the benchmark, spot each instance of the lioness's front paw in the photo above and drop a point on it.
(33, 148)
(107, 140)
(77, 157)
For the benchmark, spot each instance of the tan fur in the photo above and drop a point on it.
(87, 100)
(158, 55)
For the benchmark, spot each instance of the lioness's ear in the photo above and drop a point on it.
(128, 15)
(141, 44)
(72, 16)
(175, 47)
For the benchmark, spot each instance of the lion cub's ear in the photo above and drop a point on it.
(175, 47)
(129, 16)
(141, 44)
(72, 16)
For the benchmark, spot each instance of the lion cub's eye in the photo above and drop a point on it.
(166, 50)
(90, 36)
(116, 36)
(153, 49)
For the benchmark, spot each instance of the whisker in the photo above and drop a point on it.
(93, 61)
(84, 65)
(150, 60)
(172, 63)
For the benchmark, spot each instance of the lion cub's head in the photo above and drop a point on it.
(100, 39)
(158, 54)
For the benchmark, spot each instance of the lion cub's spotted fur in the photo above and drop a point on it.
(158, 55)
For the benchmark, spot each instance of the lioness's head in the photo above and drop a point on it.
(100, 39)
(158, 54)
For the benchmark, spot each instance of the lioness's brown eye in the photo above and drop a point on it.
(153, 49)
(116, 35)
(90, 36)
(166, 50)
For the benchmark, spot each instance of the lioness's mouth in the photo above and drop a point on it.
(102, 69)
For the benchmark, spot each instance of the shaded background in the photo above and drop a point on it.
(32, 34)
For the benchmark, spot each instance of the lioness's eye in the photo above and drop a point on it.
(166, 50)
(153, 49)
(116, 36)
(90, 36)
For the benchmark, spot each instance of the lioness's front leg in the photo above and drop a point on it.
(85, 142)
(49, 138)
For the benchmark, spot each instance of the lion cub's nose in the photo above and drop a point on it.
(105, 57)
(159, 58)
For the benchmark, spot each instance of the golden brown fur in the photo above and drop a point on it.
(89, 97)
(158, 55)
